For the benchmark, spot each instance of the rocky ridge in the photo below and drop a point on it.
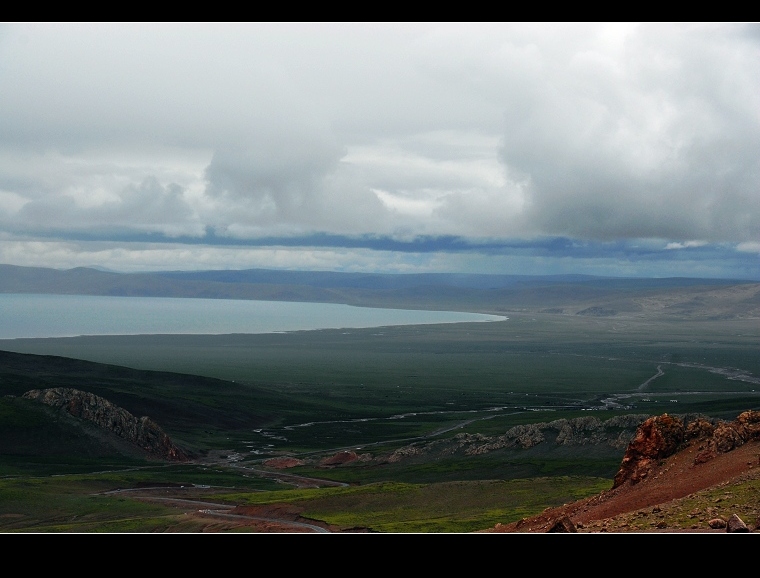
(615, 432)
(669, 462)
(661, 436)
(142, 432)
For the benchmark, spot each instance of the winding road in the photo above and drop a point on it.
(659, 373)
(218, 509)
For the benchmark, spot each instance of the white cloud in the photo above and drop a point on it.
(589, 131)
(11, 203)
(749, 247)
(685, 245)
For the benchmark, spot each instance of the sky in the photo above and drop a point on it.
(615, 149)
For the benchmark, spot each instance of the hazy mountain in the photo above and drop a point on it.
(562, 294)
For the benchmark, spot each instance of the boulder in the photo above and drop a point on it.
(563, 525)
(735, 525)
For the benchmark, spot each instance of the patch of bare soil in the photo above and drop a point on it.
(655, 502)
(339, 459)
(283, 463)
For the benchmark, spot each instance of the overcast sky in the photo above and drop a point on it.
(608, 149)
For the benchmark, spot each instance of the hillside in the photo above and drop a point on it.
(179, 402)
(674, 477)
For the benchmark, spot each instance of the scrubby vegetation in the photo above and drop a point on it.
(234, 401)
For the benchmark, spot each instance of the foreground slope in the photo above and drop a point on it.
(673, 477)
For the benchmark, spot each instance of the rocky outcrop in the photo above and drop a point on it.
(644, 438)
(142, 432)
(524, 436)
(729, 435)
(660, 437)
(339, 459)
(656, 438)
(699, 428)
(615, 432)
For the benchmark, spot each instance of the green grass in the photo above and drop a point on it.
(80, 502)
(51, 504)
(442, 507)
(247, 394)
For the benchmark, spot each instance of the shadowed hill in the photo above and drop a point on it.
(179, 402)
(142, 432)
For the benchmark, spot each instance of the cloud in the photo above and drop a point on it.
(648, 137)
(148, 207)
(598, 133)
(749, 247)
(685, 245)
(445, 255)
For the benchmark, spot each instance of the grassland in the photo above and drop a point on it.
(245, 398)
(438, 507)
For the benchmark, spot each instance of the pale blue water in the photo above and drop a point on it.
(25, 315)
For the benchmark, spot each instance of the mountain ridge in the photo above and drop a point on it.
(553, 294)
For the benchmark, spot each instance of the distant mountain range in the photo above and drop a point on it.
(559, 294)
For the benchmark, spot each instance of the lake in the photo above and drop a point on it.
(32, 315)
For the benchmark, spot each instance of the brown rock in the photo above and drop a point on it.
(735, 525)
(699, 428)
(339, 459)
(670, 479)
(704, 457)
(751, 422)
(728, 436)
(562, 525)
(655, 439)
(283, 463)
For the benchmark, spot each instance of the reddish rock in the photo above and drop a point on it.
(564, 525)
(663, 480)
(283, 463)
(339, 459)
(728, 436)
(704, 456)
(699, 428)
(750, 420)
(660, 437)
(657, 438)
